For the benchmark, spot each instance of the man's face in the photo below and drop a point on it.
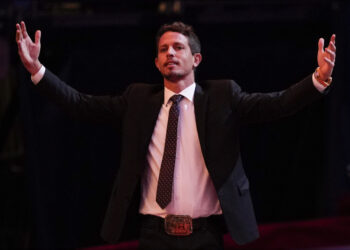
(175, 60)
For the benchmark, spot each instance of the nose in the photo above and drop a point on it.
(171, 51)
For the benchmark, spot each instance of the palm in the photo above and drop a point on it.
(30, 50)
(324, 67)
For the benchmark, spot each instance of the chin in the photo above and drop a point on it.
(174, 78)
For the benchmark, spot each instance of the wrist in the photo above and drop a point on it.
(325, 81)
(34, 68)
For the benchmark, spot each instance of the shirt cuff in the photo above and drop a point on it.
(36, 78)
(318, 85)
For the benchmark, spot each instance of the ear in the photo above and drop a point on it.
(197, 58)
(156, 62)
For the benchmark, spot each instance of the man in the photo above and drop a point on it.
(180, 170)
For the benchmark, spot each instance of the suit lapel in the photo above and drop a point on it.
(200, 108)
(150, 115)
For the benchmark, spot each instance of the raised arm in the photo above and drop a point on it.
(28, 50)
(102, 109)
(261, 107)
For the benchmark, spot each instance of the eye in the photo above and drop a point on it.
(162, 49)
(179, 47)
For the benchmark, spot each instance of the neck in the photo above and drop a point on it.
(179, 85)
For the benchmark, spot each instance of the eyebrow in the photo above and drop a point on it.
(175, 43)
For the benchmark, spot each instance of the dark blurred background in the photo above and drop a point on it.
(56, 173)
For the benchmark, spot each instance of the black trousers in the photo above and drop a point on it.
(207, 236)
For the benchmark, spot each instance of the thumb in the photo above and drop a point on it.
(37, 37)
(320, 45)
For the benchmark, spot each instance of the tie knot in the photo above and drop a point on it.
(176, 99)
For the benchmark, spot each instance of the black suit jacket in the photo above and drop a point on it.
(220, 109)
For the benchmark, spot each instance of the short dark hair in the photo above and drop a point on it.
(184, 29)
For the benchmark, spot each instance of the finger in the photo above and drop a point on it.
(329, 62)
(18, 32)
(333, 38)
(331, 54)
(18, 27)
(20, 49)
(24, 30)
(320, 45)
(18, 36)
(37, 37)
(332, 46)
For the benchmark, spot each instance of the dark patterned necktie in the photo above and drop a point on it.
(166, 174)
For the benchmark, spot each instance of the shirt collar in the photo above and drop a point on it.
(188, 93)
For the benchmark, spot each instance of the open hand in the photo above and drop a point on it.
(326, 58)
(28, 51)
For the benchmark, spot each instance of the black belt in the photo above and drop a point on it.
(180, 225)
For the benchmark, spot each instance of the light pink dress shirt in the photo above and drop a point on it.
(193, 191)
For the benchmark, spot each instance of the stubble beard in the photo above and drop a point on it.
(173, 77)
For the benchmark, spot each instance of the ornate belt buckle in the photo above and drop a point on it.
(178, 225)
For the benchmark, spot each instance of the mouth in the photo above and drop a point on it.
(171, 63)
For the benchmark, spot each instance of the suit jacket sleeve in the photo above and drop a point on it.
(101, 109)
(262, 107)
